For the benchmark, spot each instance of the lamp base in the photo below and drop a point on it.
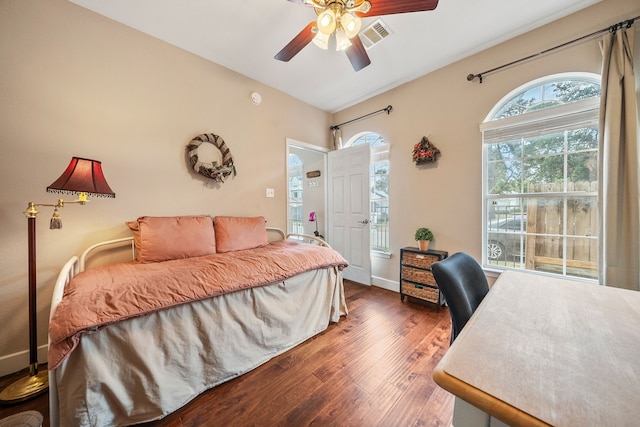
(25, 388)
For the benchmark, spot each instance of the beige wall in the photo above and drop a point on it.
(444, 106)
(73, 83)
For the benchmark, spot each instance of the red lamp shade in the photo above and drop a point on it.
(82, 176)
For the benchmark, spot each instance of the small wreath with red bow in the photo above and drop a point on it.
(211, 170)
(425, 152)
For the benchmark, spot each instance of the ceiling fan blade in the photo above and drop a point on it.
(299, 2)
(303, 38)
(390, 7)
(357, 54)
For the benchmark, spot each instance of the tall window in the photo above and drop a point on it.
(295, 195)
(540, 184)
(379, 181)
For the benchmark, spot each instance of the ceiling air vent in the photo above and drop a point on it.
(374, 33)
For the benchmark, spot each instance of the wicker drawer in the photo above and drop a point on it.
(423, 292)
(417, 275)
(418, 260)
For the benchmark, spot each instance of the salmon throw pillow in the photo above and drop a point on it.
(239, 233)
(166, 238)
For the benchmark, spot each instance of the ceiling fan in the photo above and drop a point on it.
(342, 19)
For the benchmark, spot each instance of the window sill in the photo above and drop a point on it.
(381, 254)
(494, 273)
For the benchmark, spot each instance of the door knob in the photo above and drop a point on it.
(364, 222)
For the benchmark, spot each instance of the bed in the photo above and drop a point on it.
(131, 342)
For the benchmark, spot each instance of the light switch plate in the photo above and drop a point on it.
(271, 192)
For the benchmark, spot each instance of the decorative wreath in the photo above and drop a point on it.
(425, 152)
(211, 170)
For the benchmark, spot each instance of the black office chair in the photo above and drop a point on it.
(464, 286)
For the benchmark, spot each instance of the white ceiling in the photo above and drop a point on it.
(244, 35)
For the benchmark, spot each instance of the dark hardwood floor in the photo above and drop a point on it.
(373, 368)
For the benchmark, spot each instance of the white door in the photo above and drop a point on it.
(349, 209)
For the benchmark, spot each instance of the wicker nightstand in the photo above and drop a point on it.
(416, 279)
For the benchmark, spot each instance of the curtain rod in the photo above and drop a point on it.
(388, 110)
(613, 28)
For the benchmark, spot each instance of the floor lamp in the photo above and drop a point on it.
(82, 177)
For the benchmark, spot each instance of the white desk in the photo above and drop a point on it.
(545, 351)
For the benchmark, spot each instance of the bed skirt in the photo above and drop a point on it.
(144, 368)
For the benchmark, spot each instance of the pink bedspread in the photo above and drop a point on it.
(104, 295)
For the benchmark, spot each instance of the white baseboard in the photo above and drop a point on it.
(15, 362)
(387, 284)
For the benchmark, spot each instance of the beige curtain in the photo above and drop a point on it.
(619, 188)
(336, 135)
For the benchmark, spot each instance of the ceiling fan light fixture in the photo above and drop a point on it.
(342, 41)
(351, 24)
(363, 7)
(343, 17)
(321, 40)
(326, 22)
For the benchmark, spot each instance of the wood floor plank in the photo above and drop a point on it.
(395, 356)
(438, 412)
(400, 387)
(372, 369)
(415, 377)
(368, 342)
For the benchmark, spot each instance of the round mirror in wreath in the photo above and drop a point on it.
(209, 156)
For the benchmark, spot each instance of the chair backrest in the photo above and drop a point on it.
(463, 284)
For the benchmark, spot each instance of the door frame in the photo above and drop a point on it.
(290, 142)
